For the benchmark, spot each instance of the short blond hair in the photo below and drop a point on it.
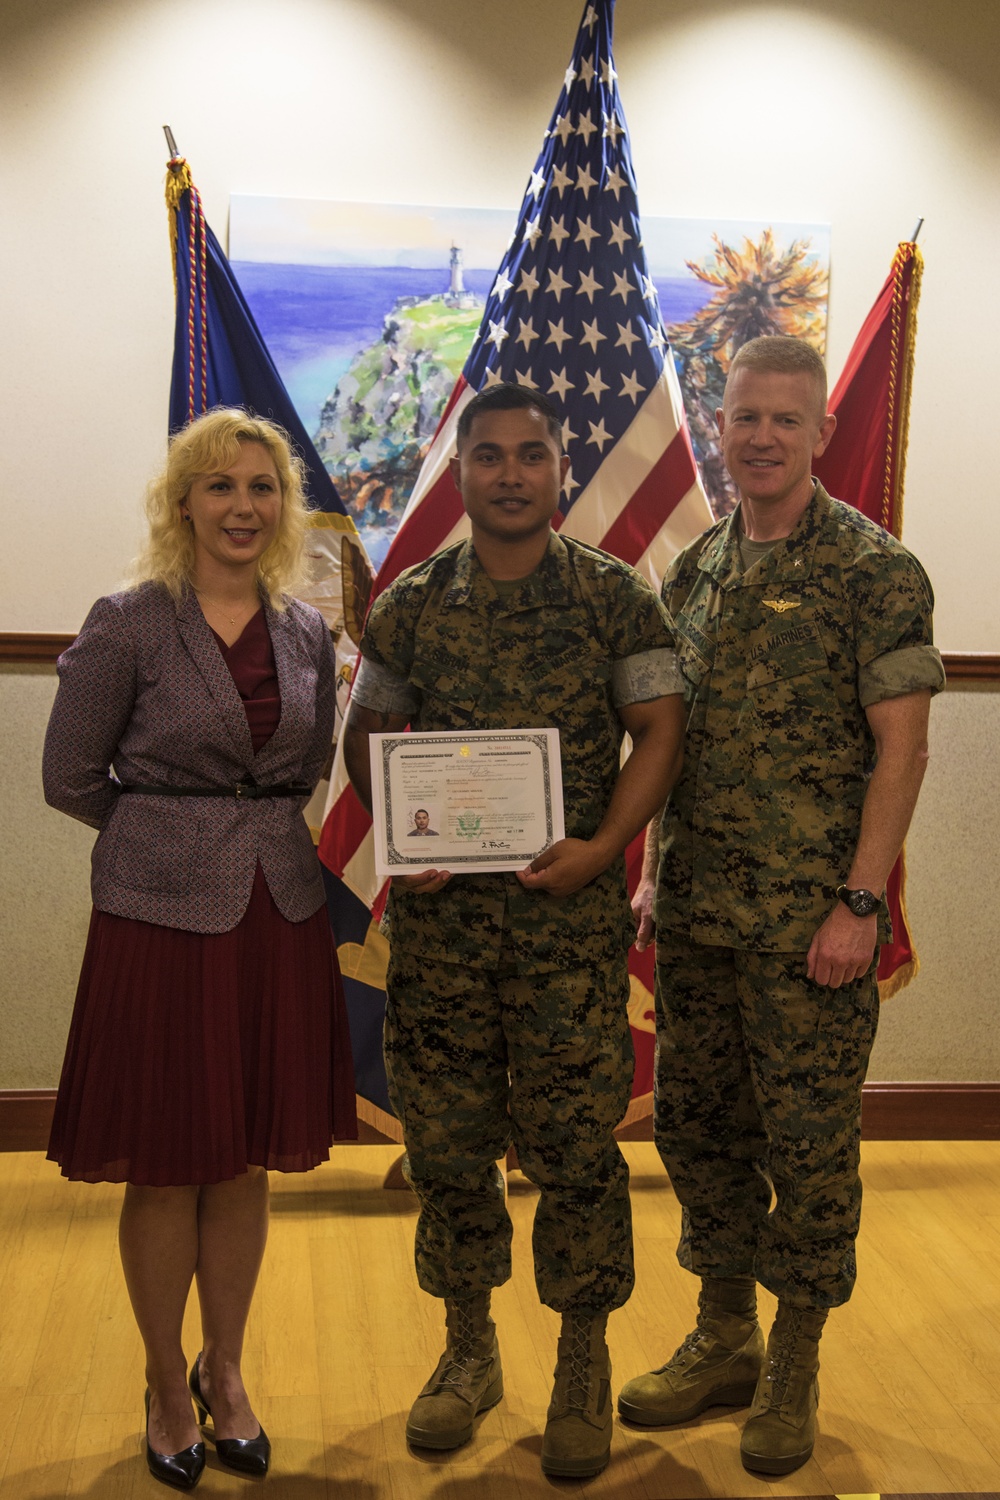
(210, 445)
(781, 354)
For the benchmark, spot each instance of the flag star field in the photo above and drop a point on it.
(573, 311)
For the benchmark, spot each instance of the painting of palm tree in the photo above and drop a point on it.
(763, 288)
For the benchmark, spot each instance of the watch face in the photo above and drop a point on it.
(861, 902)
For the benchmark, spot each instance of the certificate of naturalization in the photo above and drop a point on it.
(474, 801)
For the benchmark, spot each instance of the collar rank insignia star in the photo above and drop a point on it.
(781, 605)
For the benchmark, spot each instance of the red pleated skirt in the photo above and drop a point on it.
(193, 1056)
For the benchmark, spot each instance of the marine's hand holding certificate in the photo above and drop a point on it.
(469, 803)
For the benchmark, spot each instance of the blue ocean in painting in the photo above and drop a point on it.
(315, 319)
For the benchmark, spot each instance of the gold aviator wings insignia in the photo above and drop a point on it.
(781, 605)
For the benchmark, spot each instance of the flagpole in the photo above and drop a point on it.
(172, 144)
(913, 236)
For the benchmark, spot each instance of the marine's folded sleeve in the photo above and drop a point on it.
(377, 688)
(647, 675)
(913, 669)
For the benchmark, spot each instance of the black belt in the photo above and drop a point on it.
(241, 790)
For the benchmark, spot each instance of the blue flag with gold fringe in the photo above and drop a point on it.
(220, 359)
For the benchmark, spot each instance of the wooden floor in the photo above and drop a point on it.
(341, 1340)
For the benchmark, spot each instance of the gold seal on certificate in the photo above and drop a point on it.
(474, 801)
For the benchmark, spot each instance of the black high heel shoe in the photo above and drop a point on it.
(246, 1455)
(181, 1470)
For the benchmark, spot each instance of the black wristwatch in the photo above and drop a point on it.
(861, 902)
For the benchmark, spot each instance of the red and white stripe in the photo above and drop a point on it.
(646, 501)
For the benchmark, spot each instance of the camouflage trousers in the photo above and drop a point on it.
(758, 1085)
(479, 1058)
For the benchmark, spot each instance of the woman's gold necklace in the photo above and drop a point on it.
(221, 608)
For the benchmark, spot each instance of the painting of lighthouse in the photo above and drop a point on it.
(457, 294)
(369, 311)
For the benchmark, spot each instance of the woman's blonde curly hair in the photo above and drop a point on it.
(209, 445)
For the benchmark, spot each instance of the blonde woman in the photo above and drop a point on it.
(208, 1042)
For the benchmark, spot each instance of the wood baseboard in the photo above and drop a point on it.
(889, 1112)
(930, 1112)
(25, 1118)
(904, 1112)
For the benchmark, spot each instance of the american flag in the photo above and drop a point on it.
(574, 313)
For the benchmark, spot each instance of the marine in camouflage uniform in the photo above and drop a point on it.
(758, 834)
(785, 646)
(506, 1014)
(487, 978)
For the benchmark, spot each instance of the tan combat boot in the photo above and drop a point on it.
(577, 1438)
(716, 1365)
(781, 1429)
(468, 1378)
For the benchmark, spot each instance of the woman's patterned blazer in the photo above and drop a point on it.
(144, 689)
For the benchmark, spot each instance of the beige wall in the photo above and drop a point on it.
(44, 894)
(834, 110)
(945, 1024)
(863, 115)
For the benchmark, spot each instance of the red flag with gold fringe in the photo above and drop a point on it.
(865, 465)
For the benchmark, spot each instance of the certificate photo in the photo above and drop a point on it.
(477, 802)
